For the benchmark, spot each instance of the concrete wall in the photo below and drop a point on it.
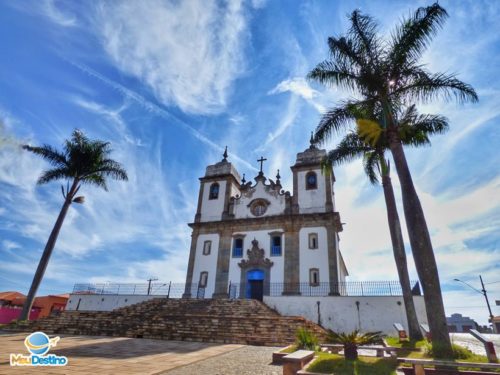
(211, 209)
(311, 200)
(313, 258)
(104, 302)
(341, 314)
(206, 263)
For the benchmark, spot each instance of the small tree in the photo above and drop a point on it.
(83, 161)
(305, 339)
(352, 340)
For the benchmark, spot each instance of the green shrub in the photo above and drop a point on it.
(305, 339)
(353, 339)
(435, 350)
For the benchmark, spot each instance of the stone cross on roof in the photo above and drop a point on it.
(261, 161)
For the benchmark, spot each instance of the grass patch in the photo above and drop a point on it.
(289, 349)
(334, 363)
(411, 345)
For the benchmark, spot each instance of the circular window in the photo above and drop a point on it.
(258, 208)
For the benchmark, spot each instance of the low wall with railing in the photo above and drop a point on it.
(347, 313)
(104, 302)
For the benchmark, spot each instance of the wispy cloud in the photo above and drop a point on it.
(189, 53)
(51, 10)
(299, 86)
(157, 110)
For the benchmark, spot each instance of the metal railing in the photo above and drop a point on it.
(237, 290)
(323, 289)
(169, 289)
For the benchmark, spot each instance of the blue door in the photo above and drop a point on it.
(255, 284)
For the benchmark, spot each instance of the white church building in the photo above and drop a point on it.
(253, 239)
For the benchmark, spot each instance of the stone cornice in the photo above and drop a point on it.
(221, 177)
(268, 222)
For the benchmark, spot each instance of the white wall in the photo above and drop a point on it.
(235, 190)
(313, 258)
(277, 270)
(206, 263)
(104, 302)
(277, 206)
(311, 200)
(341, 313)
(211, 209)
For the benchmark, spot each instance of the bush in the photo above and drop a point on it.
(305, 339)
(353, 339)
(435, 350)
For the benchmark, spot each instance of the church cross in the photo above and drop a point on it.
(261, 160)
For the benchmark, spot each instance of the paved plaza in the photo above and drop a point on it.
(112, 355)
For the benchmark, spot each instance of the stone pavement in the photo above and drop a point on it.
(248, 360)
(113, 355)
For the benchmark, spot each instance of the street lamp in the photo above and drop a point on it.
(483, 292)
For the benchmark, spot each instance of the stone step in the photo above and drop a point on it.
(219, 320)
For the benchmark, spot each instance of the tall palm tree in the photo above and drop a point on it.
(83, 161)
(387, 74)
(414, 130)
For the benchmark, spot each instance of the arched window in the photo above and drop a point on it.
(313, 276)
(203, 279)
(214, 191)
(207, 245)
(311, 181)
(313, 240)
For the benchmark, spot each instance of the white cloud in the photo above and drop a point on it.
(299, 86)
(188, 52)
(286, 122)
(50, 9)
(10, 245)
(157, 110)
(257, 4)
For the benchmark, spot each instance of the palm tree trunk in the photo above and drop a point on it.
(398, 248)
(423, 253)
(47, 252)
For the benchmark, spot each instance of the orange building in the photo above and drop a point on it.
(11, 304)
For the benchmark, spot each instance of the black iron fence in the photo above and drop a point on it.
(237, 290)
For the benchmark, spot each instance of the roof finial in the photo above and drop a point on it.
(225, 155)
(243, 181)
(261, 160)
(311, 141)
(278, 176)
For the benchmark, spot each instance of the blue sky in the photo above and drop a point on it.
(171, 83)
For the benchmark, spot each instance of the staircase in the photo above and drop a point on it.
(238, 321)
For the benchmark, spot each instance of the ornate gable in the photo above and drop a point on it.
(256, 258)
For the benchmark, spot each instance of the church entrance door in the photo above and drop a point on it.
(255, 284)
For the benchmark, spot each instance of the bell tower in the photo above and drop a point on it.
(312, 188)
(221, 181)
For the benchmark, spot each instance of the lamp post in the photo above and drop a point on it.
(483, 292)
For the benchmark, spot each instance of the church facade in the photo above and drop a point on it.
(252, 239)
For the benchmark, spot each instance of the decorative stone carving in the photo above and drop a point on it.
(256, 258)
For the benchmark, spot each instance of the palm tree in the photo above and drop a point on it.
(414, 130)
(83, 161)
(387, 74)
(352, 340)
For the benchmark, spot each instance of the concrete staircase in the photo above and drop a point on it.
(240, 321)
